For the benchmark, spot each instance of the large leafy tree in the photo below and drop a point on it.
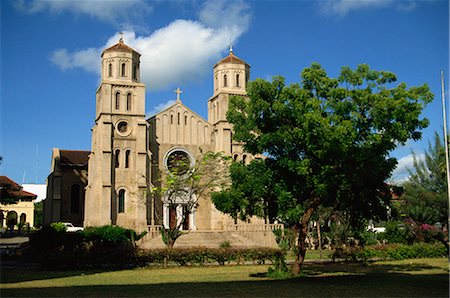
(253, 191)
(425, 193)
(328, 139)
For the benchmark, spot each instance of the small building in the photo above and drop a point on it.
(65, 187)
(22, 211)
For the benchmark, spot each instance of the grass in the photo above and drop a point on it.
(408, 278)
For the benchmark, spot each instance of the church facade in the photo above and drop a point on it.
(128, 150)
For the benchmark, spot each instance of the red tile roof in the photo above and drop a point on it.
(231, 58)
(121, 47)
(11, 189)
(74, 157)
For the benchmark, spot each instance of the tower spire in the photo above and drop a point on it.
(231, 47)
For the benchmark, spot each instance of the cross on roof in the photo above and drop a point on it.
(121, 36)
(178, 92)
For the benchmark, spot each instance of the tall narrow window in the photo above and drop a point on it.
(116, 158)
(129, 102)
(75, 199)
(109, 70)
(225, 83)
(122, 201)
(171, 119)
(134, 72)
(178, 118)
(127, 158)
(237, 80)
(122, 70)
(117, 100)
(185, 120)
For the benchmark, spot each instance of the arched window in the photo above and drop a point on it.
(244, 159)
(127, 158)
(109, 70)
(128, 101)
(23, 218)
(117, 100)
(116, 158)
(237, 80)
(122, 69)
(171, 119)
(235, 157)
(75, 199)
(122, 201)
(225, 83)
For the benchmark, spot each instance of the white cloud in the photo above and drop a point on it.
(342, 7)
(161, 107)
(179, 53)
(87, 59)
(401, 173)
(120, 11)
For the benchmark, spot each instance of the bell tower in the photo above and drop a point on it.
(115, 193)
(231, 75)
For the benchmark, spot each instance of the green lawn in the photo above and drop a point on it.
(409, 278)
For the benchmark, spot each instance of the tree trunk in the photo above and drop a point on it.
(302, 229)
(319, 237)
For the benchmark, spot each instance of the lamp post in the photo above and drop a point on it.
(444, 114)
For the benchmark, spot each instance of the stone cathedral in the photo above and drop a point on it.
(107, 185)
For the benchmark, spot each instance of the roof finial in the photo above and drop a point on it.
(231, 47)
(121, 36)
(178, 92)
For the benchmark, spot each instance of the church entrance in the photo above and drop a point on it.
(186, 218)
(174, 214)
(172, 218)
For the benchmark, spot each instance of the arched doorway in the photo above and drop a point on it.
(11, 219)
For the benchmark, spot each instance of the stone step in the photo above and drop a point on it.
(211, 239)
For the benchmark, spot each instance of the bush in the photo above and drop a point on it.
(107, 234)
(397, 232)
(392, 252)
(285, 238)
(107, 246)
(58, 226)
(204, 256)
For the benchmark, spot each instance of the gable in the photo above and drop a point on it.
(179, 125)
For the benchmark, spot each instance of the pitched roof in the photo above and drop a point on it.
(10, 188)
(121, 47)
(74, 157)
(231, 58)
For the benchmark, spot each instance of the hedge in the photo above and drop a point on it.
(113, 247)
(205, 256)
(392, 252)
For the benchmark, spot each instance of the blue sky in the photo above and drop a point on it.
(50, 55)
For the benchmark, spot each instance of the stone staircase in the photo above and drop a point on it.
(210, 239)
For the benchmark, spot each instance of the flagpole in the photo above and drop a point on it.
(444, 114)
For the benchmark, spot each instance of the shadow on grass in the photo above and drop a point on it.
(373, 285)
(361, 268)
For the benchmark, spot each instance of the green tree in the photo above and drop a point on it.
(328, 140)
(38, 214)
(252, 192)
(425, 195)
(425, 192)
(185, 183)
